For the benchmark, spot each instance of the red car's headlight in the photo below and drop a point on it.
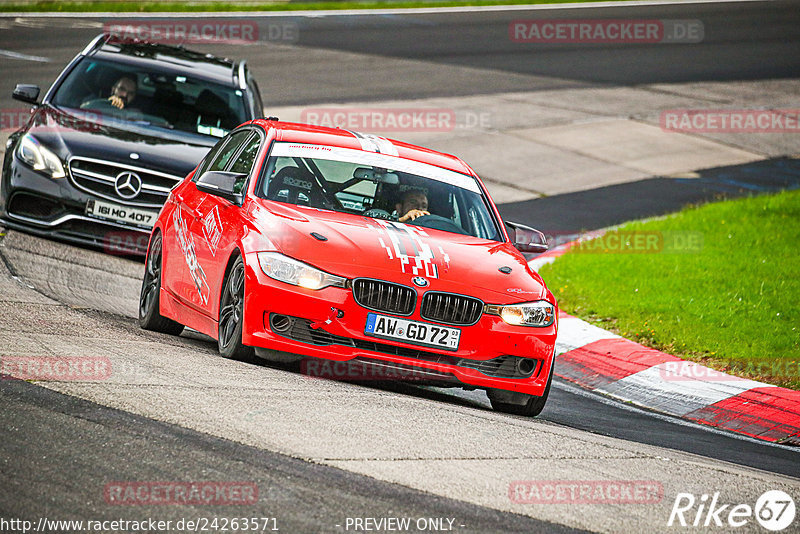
(540, 313)
(291, 271)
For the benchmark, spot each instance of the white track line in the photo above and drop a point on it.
(24, 57)
(393, 11)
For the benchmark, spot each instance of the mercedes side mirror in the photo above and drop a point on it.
(26, 93)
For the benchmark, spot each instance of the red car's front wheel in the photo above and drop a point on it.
(231, 315)
(519, 403)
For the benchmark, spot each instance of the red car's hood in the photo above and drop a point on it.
(355, 246)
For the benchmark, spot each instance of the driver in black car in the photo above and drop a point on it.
(413, 204)
(122, 94)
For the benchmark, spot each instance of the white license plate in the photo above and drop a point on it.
(116, 212)
(427, 334)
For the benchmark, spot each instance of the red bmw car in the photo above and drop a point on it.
(293, 241)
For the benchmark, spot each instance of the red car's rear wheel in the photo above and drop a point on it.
(149, 316)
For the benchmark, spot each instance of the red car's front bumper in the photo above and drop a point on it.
(330, 324)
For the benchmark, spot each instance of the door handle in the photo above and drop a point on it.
(182, 205)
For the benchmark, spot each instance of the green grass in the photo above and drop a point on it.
(730, 299)
(278, 5)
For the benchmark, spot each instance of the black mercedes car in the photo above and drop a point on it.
(121, 125)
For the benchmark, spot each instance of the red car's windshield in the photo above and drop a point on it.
(378, 186)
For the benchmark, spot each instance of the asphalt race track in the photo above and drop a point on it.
(461, 53)
(321, 451)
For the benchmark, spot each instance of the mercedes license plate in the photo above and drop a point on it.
(119, 213)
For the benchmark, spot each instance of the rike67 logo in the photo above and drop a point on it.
(774, 510)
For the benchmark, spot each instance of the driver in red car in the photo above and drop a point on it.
(413, 204)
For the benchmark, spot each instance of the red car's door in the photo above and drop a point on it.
(215, 223)
(194, 288)
(177, 249)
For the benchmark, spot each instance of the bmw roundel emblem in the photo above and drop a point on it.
(420, 281)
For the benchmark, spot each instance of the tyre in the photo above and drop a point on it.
(231, 315)
(520, 403)
(149, 298)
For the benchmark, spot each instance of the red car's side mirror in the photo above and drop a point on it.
(527, 239)
(222, 184)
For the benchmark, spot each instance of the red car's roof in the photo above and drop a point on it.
(322, 135)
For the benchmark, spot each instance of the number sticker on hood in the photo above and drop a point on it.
(406, 244)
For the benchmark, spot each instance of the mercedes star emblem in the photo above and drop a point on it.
(128, 185)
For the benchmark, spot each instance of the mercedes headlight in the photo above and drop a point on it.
(540, 313)
(291, 271)
(40, 158)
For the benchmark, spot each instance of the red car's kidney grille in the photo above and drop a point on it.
(451, 309)
(384, 296)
